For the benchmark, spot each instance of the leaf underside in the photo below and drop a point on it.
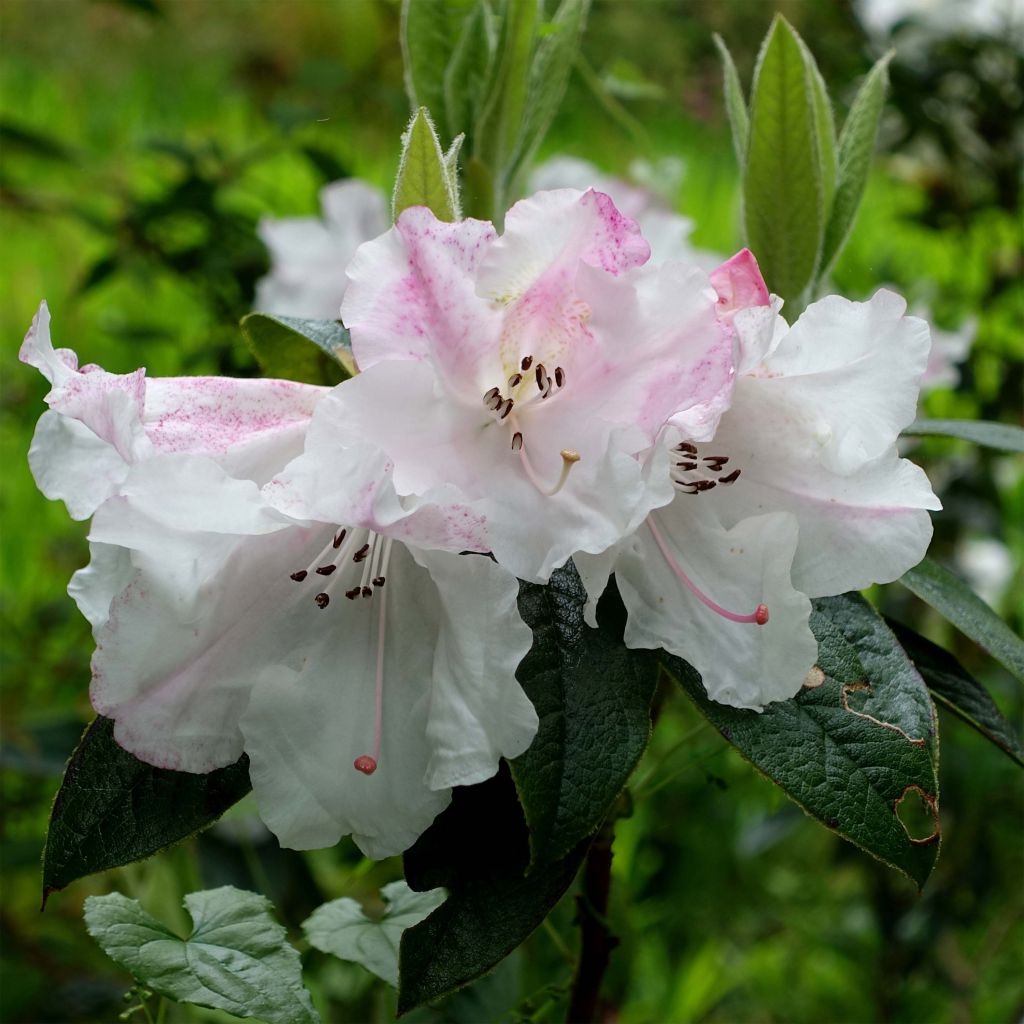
(293, 348)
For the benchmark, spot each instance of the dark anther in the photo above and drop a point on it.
(361, 553)
(367, 592)
(515, 380)
(379, 581)
(686, 466)
(517, 441)
(325, 570)
(352, 594)
(731, 478)
(526, 363)
(339, 538)
(715, 462)
(490, 396)
(704, 485)
(506, 409)
(300, 575)
(322, 600)
(559, 376)
(541, 376)
(690, 449)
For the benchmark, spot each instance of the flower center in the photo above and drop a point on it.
(758, 616)
(537, 385)
(364, 555)
(694, 473)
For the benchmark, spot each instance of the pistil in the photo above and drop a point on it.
(760, 614)
(367, 763)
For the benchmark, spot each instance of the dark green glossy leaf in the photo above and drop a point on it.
(593, 697)
(856, 150)
(783, 200)
(113, 809)
(954, 600)
(290, 348)
(1003, 436)
(735, 104)
(851, 748)
(478, 849)
(956, 689)
(237, 958)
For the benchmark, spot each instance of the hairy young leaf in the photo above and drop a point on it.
(113, 809)
(237, 958)
(343, 929)
(851, 746)
(825, 130)
(290, 348)
(783, 197)
(1003, 436)
(470, 76)
(735, 104)
(424, 178)
(478, 850)
(593, 698)
(956, 689)
(430, 32)
(954, 600)
(549, 68)
(856, 148)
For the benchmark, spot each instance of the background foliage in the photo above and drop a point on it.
(141, 141)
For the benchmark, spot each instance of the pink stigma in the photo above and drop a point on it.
(758, 616)
(365, 764)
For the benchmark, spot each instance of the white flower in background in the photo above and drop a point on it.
(939, 18)
(988, 565)
(800, 494)
(319, 622)
(532, 371)
(100, 423)
(949, 350)
(308, 255)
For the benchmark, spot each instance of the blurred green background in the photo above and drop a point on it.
(140, 142)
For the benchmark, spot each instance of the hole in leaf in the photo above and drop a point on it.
(918, 814)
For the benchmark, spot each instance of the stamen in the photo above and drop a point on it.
(506, 408)
(379, 581)
(526, 363)
(361, 553)
(322, 600)
(686, 466)
(490, 396)
(758, 616)
(517, 440)
(339, 538)
(366, 763)
(541, 375)
(559, 377)
(730, 478)
(367, 592)
(299, 576)
(353, 593)
(715, 462)
(326, 570)
(690, 449)
(515, 380)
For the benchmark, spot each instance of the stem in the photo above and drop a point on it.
(596, 939)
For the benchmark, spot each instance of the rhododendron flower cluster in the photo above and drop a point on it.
(326, 579)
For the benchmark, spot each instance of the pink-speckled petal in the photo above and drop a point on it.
(411, 295)
(739, 283)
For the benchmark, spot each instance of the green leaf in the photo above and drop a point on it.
(825, 130)
(344, 930)
(1003, 436)
(954, 600)
(856, 149)
(470, 76)
(593, 697)
(783, 199)
(430, 30)
(956, 689)
(113, 809)
(282, 346)
(478, 850)
(851, 748)
(237, 958)
(735, 104)
(552, 62)
(423, 175)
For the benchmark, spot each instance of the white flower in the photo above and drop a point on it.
(531, 370)
(309, 255)
(800, 494)
(318, 622)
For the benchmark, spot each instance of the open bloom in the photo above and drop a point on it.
(320, 623)
(308, 255)
(800, 493)
(532, 371)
